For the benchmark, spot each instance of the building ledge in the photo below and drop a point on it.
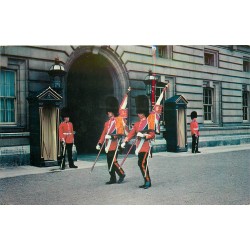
(17, 134)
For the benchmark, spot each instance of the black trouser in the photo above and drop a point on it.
(195, 144)
(69, 154)
(142, 163)
(116, 167)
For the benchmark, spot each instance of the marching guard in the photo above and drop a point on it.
(111, 137)
(144, 133)
(66, 136)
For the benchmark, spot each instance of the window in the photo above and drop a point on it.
(211, 57)
(7, 96)
(208, 103)
(164, 51)
(245, 105)
(246, 65)
(212, 108)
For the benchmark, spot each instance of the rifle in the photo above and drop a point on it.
(63, 155)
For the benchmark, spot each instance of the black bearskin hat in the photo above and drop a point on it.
(142, 105)
(65, 112)
(112, 105)
(193, 115)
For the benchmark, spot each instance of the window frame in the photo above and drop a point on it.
(245, 106)
(5, 98)
(246, 64)
(215, 55)
(216, 117)
(164, 51)
(211, 105)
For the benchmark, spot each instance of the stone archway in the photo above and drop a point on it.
(93, 73)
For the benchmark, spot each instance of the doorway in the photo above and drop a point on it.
(49, 117)
(89, 82)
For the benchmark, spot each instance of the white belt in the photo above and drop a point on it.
(139, 146)
(67, 133)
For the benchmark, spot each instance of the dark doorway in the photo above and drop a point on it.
(88, 84)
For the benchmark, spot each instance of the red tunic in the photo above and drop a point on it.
(113, 126)
(138, 128)
(66, 132)
(194, 127)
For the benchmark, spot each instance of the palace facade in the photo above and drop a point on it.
(215, 81)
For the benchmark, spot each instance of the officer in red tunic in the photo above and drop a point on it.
(144, 133)
(111, 135)
(66, 136)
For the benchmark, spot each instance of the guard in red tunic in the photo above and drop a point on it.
(195, 133)
(111, 136)
(144, 133)
(66, 136)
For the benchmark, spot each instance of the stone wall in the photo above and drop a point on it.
(183, 67)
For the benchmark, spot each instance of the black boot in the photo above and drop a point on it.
(121, 179)
(147, 185)
(110, 182)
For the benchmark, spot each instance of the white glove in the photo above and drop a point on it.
(63, 142)
(123, 145)
(139, 134)
(98, 147)
(107, 136)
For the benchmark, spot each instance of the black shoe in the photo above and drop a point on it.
(142, 186)
(147, 185)
(110, 182)
(63, 168)
(121, 179)
(73, 166)
(197, 152)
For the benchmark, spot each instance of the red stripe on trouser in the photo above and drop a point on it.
(143, 167)
(118, 169)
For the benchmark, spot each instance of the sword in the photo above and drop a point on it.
(147, 162)
(127, 153)
(100, 150)
(97, 158)
(115, 154)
